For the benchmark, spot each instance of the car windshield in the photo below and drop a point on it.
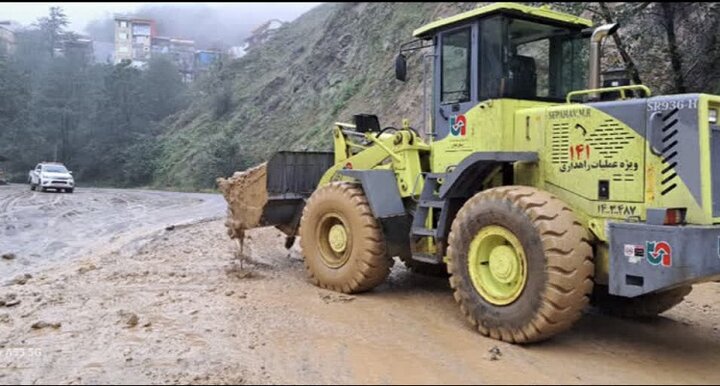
(54, 169)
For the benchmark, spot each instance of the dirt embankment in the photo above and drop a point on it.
(181, 311)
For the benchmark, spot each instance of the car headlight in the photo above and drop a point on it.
(712, 116)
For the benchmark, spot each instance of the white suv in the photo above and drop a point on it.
(51, 175)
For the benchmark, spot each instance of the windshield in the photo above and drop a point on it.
(54, 169)
(544, 61)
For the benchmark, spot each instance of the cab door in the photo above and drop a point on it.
(455, 79)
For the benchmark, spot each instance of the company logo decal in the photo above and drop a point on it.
(458, 126)
(658, 252)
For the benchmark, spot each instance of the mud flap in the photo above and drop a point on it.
(381, 190)
(648, 258)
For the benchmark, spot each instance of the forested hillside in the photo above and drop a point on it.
(101, 120)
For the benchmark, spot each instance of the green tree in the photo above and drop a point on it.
(163, 93)
(101, 120)
(14, 109)
(53, 27)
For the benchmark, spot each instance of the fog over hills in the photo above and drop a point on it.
(217, 26)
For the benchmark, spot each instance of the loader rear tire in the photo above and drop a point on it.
(342, 242)
(640, 307)
(520, 264)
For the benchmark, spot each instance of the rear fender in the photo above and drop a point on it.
(464, 180)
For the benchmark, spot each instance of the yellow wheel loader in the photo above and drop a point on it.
(535, 188)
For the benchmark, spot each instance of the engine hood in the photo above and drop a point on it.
(56, 175)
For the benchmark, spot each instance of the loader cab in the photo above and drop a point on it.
(503, 51)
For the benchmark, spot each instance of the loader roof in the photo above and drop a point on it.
(543, 12)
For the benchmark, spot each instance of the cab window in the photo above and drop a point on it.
(455, 62)
(544, 61)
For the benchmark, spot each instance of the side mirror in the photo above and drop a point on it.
(400, 67)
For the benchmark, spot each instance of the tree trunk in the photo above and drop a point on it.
(675, 61)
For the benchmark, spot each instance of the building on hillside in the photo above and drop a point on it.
(263, 32)
(205, 59)
(179, 51)
(67, 44)
(237, 52)
(136, 42)
(182, 53)
(133, 38)
(160, 45)
(76, 46)
(8, 29)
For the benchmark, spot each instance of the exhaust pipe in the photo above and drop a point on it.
(596, 40)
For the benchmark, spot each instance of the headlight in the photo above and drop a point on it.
(712, 116)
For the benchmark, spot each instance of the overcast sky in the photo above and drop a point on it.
(82, 13)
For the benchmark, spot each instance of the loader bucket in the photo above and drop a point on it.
(273, 193)
(246, 195)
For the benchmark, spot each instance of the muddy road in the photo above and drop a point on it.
(177, 307)
(45, 228)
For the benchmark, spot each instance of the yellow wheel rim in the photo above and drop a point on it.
(333, 240)
(497, 265)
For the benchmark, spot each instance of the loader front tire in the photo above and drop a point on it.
(342, 242)
(520, 264)
(640, 307)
